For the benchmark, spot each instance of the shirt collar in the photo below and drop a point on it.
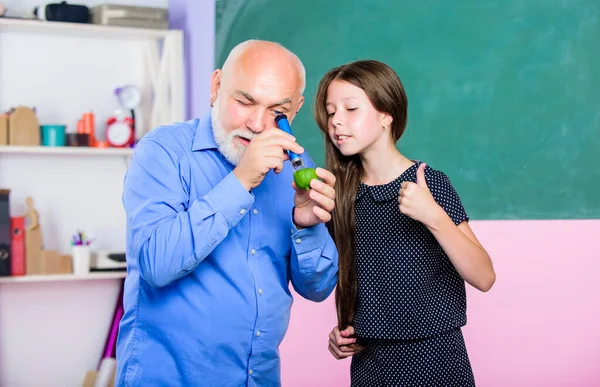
(389, 191)
(204, 137)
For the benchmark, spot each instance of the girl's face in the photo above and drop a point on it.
(354, 126)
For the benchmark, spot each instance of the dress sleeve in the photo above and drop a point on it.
(445, 195)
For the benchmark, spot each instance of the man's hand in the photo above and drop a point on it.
(265, 152)
(341, 344)
(315, 205)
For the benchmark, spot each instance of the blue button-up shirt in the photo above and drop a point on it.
(207, 299)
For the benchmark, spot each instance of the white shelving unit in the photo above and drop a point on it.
(53, 327)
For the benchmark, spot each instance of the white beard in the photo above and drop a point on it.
(231, 150)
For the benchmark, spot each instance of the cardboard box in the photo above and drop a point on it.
(3, 129)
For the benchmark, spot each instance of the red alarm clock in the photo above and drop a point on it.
(119, 131)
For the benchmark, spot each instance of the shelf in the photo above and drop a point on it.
(81, 30)
(65, 150)
(63, 277)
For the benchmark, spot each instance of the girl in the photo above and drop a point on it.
(405, 247)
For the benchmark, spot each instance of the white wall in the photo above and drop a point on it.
(52, 333)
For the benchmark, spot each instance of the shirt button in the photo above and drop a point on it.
(298, 240)
(257, 333)
(250, 372)
(255, 211)
(259, 290)
(253, 251)
(242, 211)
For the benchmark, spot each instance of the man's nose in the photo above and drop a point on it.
(257, 120)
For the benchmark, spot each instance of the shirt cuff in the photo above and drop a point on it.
(230, 199)
(309, 239)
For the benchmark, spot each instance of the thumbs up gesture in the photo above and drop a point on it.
(415, 199)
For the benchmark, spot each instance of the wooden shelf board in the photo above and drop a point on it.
(65, 150)
(63, 277)
(80, 29)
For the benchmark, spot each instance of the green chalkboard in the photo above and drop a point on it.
(504, 95)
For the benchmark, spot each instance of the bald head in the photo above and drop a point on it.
(267, 56)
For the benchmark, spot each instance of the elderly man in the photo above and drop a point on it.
(216, 230)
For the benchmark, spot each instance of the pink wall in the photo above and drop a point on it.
(538, 326)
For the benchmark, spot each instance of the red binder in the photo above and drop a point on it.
(17, 245)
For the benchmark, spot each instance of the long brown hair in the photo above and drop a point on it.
(386, 93)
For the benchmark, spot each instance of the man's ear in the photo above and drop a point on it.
(298, 106)
(215, 85)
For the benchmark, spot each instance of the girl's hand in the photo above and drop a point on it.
(341, 344)
(415, 200)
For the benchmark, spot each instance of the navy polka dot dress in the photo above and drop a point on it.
(411, 299)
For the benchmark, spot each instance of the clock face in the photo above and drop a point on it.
(118, 134)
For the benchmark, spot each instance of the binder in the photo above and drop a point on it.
(4, 233)
(17, 245)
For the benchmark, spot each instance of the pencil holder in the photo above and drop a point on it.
(81, 259)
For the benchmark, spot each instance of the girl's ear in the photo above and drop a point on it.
(386, 120)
